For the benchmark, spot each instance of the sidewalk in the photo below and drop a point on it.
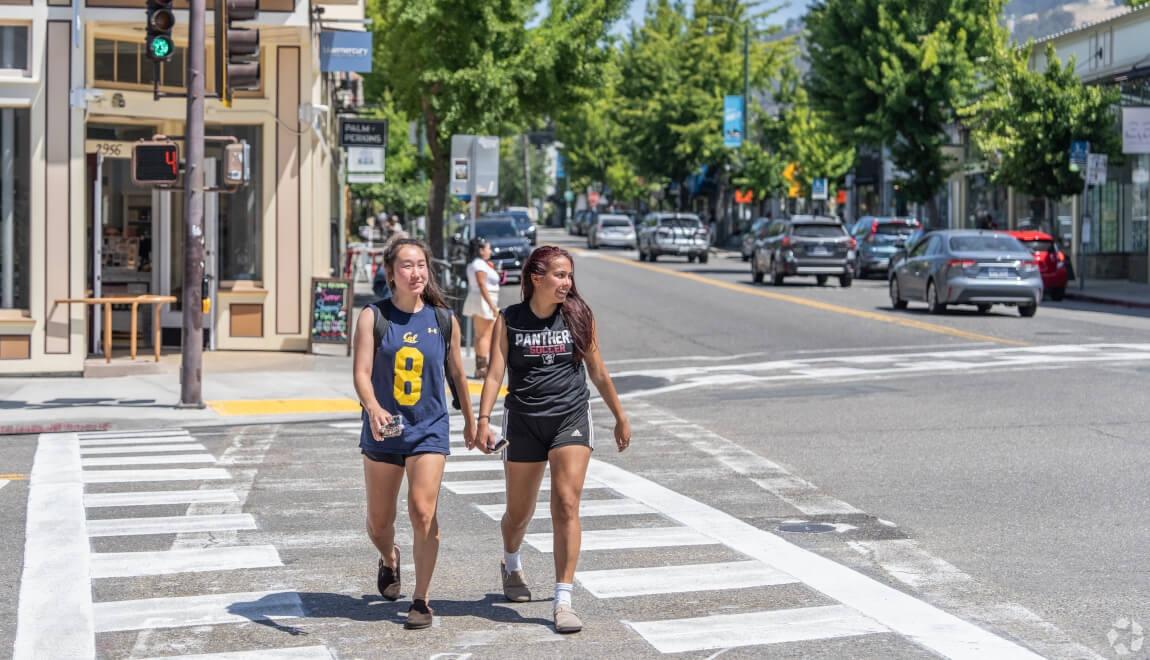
(1111, 292)
(238, 388)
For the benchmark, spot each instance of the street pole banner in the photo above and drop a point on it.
(1136, 130)
(819, 189)
(733, 121)
(1079, 152)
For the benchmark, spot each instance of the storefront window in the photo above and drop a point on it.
(241, 214)
(123, 64)
(14, 213)
(14, 47)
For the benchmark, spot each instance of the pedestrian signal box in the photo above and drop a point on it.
(237, 164)
(155, 163)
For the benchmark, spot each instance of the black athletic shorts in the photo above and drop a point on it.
(531, 437)
(391, 459)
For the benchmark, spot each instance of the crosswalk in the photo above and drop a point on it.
(59, 558)
(642, 540)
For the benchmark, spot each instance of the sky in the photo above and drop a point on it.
(797, 8)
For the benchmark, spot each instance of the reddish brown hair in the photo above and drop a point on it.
(576, 313)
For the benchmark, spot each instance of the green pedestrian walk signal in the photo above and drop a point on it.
(161, 21)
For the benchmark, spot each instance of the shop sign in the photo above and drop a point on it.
(1136, 130)
(343, 50)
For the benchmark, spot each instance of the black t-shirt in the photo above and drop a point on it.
(543, 376)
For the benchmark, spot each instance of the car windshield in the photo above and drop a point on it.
(680, 223)
(496, 229)
(985, 243)
(520, 217)
(1039, 245)
(614, 222)
(818, 231)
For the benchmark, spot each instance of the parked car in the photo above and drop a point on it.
(1052, 261)
(680, 234)
(879, 239)
(509, 247)
(611, 229)
(524, 222)
(804, 245)
(967, 267)
(751, 235)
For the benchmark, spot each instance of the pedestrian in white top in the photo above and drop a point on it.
(482, 302)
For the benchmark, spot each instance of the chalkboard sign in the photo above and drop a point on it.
(331, 312)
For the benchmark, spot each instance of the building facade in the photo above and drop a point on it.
(76, 91)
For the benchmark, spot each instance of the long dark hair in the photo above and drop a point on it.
(576, 313)
(431, 293)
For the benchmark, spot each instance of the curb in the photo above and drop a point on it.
(1103, 300)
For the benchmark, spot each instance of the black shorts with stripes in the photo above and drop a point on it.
(531, 437)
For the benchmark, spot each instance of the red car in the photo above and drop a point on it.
(1051, 259)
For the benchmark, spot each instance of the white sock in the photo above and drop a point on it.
(562, 594)
(513, 561)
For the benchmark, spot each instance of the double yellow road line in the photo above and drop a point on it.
(816, 304)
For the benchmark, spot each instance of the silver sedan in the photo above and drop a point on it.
(967, 267)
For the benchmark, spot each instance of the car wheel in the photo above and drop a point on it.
(1058, 294)
(845, 281)
(690, 258)
(896, 300)
(932, 303)
(984, 309)
(746, 258)
(651, 256)
(1027, 311)
(776, 276)
(756, 274)
(821, 279)
(703, 258)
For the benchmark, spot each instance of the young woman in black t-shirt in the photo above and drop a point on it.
(548, 344)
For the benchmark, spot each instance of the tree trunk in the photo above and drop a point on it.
(932, 213)
(439, 182)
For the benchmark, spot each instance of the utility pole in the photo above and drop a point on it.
(526, 173)
(192, 350)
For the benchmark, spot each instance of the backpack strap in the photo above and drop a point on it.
(380, 309)
(443, 318)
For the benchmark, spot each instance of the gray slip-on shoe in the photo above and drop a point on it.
(566, 620)
(514, 585)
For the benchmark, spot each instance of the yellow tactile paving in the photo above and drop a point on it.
(255, 407)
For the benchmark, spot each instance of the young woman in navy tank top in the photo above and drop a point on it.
(550, 348)
(402, 380)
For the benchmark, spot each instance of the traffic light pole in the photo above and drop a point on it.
(192, 351)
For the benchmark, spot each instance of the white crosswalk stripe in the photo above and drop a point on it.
(635, 537)
(62, 564)
(476, 487)
(650, 580)
(587, 509)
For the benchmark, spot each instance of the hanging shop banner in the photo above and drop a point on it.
(342, 50)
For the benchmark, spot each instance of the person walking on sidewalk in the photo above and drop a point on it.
(400, 376)
(482, 301)
(549, 345)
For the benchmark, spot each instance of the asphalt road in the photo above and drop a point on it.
(843, 480)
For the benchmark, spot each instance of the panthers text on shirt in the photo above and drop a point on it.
(544, 342)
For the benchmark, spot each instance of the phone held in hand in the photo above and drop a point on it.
(500, 441)
(392, 428)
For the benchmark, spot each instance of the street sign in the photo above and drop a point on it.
(485, 158)
(1079, 151)
(1096, 169)
(460, 176)
(819, 189)
(1136, 130)
(744, 196)
(155, 163)
(363, 132)
(733, 124)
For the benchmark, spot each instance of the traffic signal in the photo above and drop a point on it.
(161, 19)
(237, 48)
(155, 163)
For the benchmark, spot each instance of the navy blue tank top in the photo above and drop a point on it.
(408, 380)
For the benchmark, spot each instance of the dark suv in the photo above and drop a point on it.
(804, 245)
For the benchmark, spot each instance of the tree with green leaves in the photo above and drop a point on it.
(1024, 126)
(512, 191)
(804, 135)
(475, 66)
(897, 73)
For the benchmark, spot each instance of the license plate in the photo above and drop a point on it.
(819, 251)
(998, 273)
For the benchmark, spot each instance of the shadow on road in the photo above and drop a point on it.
(370, 608)
(87, 402)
